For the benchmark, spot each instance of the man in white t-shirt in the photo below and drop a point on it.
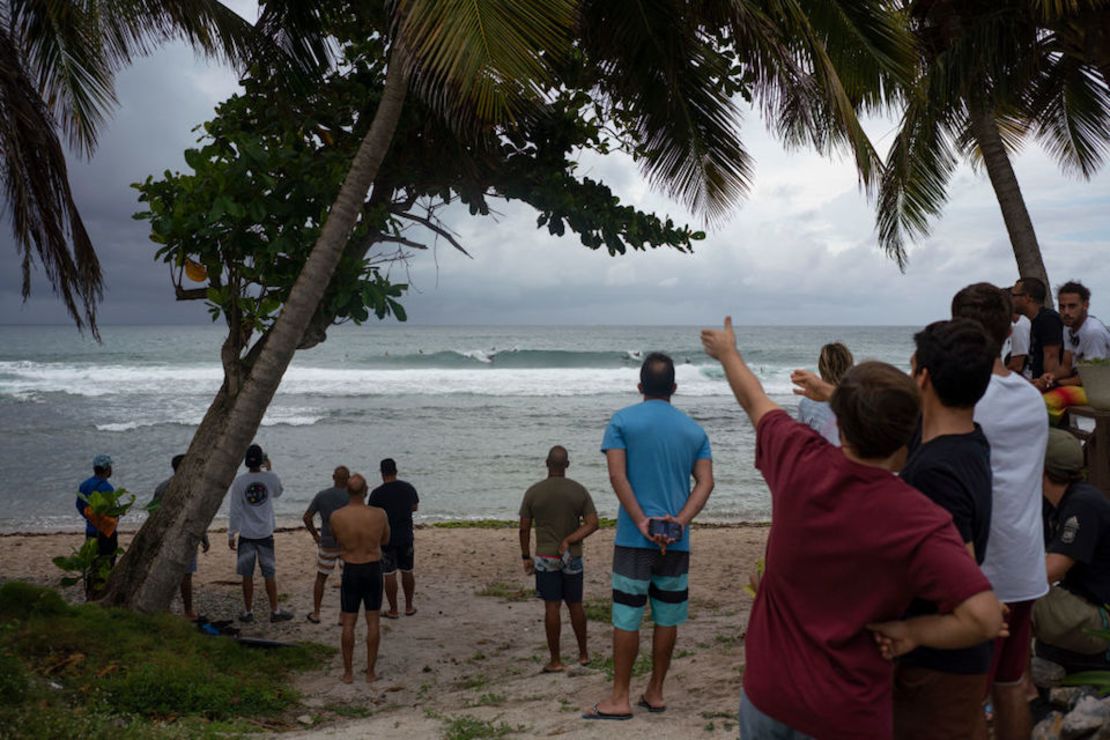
(1085, 338)
(1017, 344)
(1012, 417)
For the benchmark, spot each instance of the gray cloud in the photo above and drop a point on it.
(801, 250)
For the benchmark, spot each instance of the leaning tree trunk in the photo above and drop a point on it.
(1023, 238)
(147, 576)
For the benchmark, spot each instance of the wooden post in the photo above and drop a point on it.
(1097, 447)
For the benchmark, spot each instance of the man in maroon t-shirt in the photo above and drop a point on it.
(850, 547)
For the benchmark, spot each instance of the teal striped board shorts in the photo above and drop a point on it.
(642, 574)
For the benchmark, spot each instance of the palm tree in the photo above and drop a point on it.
(992, 74)
(663, 80)
(58, 62)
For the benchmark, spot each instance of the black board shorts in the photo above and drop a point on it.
(361, 584)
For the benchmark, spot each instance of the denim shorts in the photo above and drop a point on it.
(251, 550)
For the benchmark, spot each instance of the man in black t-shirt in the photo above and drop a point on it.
(1046, 330)
(399, 499)
(1077, 547)
(938, 693)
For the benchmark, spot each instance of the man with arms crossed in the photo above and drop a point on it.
(938, 693)
(1011, 415)
(850, 546)
(400, 501)
(1046, 330)
(651, 449)
(564, 515)
(251, 516)
(325, 503)
(360, 531)
(1085, 338)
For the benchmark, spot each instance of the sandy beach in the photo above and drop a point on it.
(476, 645)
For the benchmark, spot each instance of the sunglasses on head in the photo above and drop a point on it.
(1074, 339)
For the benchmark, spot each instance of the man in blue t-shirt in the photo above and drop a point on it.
(652, 449)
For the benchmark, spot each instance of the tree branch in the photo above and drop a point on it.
(434, 227)
(190, 294)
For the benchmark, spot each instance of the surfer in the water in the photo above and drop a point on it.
(360, 531)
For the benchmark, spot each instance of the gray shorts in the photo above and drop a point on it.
(261, 550)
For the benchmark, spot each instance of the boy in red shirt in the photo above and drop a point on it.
(850, 547)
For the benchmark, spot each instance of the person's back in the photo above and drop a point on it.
(1012, 417)
(818, 416)
(398, 499)
(251, 510)
(360, 532)
(834, 521)
(662, 444)
(557, 505)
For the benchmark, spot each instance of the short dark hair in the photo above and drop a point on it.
(990, 306)
(657, 375)
(1034, 288)
(175, 463)
(959, 357)
(877, 407)
(1074, 286)
(389, 466)
(102, 472)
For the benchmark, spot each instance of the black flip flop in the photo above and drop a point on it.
(598, 714)
(387, 615)
(651, 708)
(314, 620)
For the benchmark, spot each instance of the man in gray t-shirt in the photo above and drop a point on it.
(324, 503)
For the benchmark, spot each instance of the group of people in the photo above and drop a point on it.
(925, 528)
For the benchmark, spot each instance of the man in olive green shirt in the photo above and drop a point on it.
(564, 515)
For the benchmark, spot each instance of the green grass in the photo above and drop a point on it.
(475, 681)
(490, 699)
(131, 675)
(471, 728)
(641, 667)
(597, 610)
(507, 591)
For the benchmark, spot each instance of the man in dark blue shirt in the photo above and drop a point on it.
(400, 500)
(106, 544)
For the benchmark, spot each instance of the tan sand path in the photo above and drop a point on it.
(465, 655)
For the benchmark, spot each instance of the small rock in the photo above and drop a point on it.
(305, 719)
(1089, 715)
(1048, 728)
(1065, 697)
(1047, 674)
(54, 685)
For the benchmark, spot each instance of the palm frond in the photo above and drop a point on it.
(913, 187)
(43, 215)
(664, 80)
(485, 57)
(1071, 115)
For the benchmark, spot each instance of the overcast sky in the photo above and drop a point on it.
(800, 250)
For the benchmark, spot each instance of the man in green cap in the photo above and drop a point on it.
(1077, 547)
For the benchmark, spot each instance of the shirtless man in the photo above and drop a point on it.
(360, 531)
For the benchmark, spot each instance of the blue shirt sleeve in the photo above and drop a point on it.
(614, 436)
(704, 453)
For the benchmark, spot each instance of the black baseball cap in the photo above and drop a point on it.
(254, 457)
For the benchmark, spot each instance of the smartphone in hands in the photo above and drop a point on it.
(669, 529)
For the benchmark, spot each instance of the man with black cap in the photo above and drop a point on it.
(1077, 543)
(251, 516)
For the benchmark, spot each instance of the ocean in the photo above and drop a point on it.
(467, 412)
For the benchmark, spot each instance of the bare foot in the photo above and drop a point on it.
(554, 667)
(371, 677)
(391, 615)
(347, 678)
(608, 706)
(410, 611)
(583, 659)
(653, 698)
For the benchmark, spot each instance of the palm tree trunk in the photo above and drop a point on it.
(147, 576)
(1023, 238)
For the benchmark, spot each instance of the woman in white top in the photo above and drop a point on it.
(835, 360)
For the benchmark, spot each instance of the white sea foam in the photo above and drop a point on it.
(294, 417)
(201, 382)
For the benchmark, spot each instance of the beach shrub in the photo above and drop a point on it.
(107, 669)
